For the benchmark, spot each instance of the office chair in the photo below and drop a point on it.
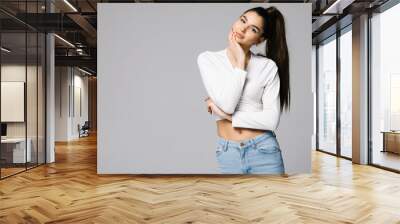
(84, 130)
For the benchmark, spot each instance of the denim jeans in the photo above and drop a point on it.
(258, 155)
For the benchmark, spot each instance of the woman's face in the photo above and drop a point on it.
(248, 29)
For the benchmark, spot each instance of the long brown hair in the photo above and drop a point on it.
(276, 48)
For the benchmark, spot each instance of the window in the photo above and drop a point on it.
(346, 75)
(385, 89)
(327, 95)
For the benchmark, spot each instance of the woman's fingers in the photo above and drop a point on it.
(230, 39)
(235, 41)
(234, 44)
(209, 109)
(233, 37)
(209, 103)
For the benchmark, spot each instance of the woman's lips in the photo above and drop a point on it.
(239, 35)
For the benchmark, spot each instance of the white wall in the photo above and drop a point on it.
(151, 112)
(61, 103)
(80, 83)
(67, 80)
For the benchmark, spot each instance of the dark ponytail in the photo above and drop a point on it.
(276, 48)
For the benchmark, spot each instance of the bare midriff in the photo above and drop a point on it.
(226, 131)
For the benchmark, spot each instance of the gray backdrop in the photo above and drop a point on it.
(152, 117)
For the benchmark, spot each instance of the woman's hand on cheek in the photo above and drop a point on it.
(237, 50)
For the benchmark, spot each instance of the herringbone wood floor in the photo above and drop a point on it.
(70, 191)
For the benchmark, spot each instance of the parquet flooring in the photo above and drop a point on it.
(10, 171)
(70, 191)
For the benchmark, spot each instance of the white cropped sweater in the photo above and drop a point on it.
(252, 96)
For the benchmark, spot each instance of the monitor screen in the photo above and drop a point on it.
(3, 129)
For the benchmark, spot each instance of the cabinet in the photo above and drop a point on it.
(391, 141)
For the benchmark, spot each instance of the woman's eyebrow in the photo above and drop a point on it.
(252, 25)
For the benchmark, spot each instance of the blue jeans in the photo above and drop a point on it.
(258, 155)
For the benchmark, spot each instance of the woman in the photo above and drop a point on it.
(248, 92)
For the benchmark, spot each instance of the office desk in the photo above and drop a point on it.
(13, 150)
(391, 141)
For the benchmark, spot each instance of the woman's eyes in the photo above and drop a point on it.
(254, 30)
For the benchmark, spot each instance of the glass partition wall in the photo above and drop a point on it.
(13, 90)
(327, 95)
(22, 88)
(334, 111)
(346, 74)
(385, 89)
(334, 80)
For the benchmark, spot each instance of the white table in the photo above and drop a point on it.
(19, 149)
